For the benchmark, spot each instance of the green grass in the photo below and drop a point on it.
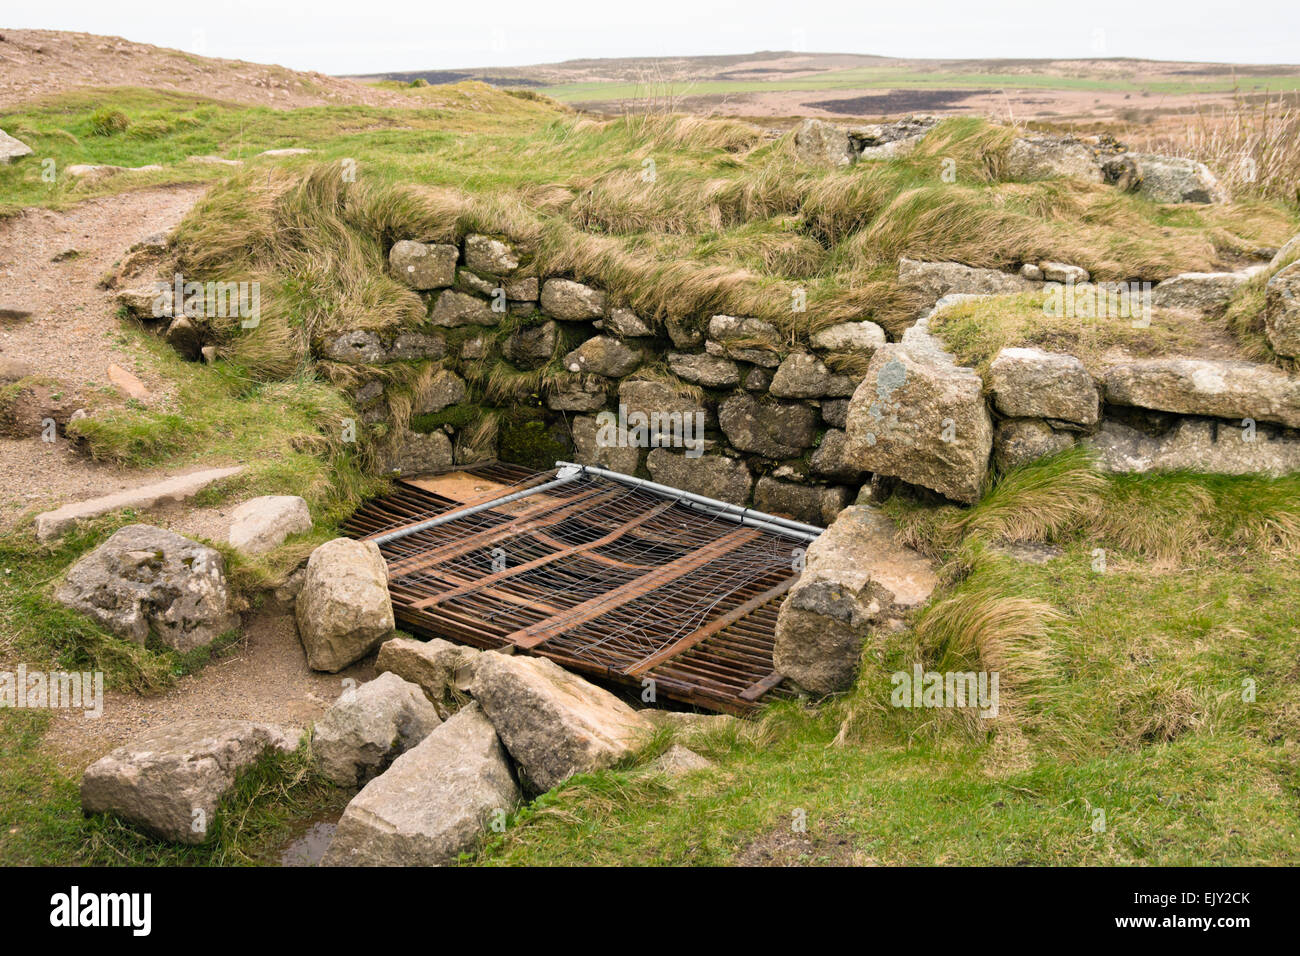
(41, 822)
(1122, 690)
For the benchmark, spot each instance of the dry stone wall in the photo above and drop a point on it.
(722, 405)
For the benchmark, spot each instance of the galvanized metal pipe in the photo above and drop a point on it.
(565, 475)
(722, 509)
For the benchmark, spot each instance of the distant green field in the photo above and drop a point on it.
(877, 78)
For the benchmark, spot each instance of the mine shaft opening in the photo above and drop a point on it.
(609, 575)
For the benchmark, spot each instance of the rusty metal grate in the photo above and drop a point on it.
(618, 581)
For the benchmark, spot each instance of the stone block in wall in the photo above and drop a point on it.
(935, 280)
(664, 407)
(578, 393)
(862, 338)
(758, 380)
(1218, 389)
(1197, 291)
(572, 301)
(423, 266)
(835, 411)
(445, 388)
(411, 346)
(772, 429)
(604, 355)
(1173, 179)
(1031, 383)
(684, 335)
(812, 504)
(591, 448)
(1204, 445)
(532, 346)
(745, 339)
(707, 370)
(454, 309)
(626, 323)
(417, 453)
(715, 476)
(491, 256)
(802, 375)
(1018, 441)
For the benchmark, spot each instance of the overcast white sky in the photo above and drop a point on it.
(350, 36)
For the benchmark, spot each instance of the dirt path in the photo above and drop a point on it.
(265, 677)
(72, 335)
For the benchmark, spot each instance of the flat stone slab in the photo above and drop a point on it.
(1233, 390)
(51, 524)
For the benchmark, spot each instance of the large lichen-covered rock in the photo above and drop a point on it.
(1018, 441)
(368, 727)
(1282, 311)
(1048, 157)
(145, 580)
(423, 266)
(1197, 444)
(1171, 179)
(772, 429)
(554, 723)
(261, 524)
(920, 417)
(572, 301)
(169, 781)
(1220, 389)
(435, 802)
(1031, 383)
(604, 355)
(856, 577)
(819, 143)
(714, 476)
(343, 610)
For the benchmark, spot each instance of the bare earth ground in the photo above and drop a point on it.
(72, 336)
(35, 63)
(264, 677)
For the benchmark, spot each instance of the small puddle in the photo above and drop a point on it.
(310, 843)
